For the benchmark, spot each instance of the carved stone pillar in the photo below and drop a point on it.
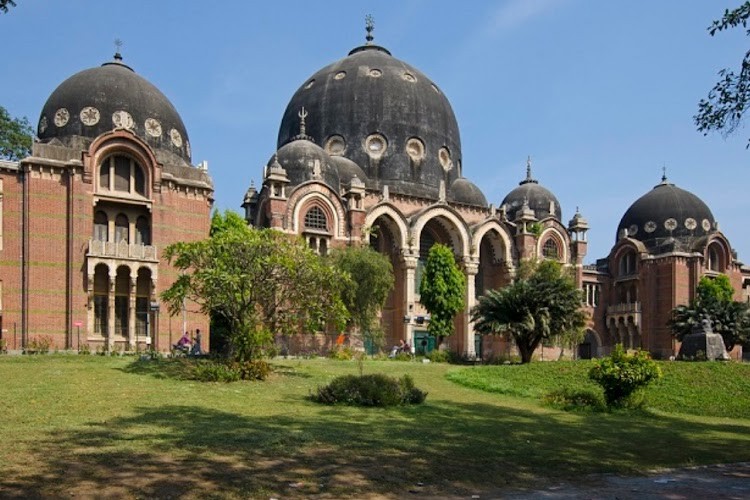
(471, 268)
(409, 261)
(131, 314)
(111, 311)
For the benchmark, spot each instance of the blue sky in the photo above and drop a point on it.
(600, 94)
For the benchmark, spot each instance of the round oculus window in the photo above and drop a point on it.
(123, 119)
(375, 145)
(444, 155)
(649, 226)
(706, 225)
(89, 116)
(340, 75)
(375, 73)
(43, 124)
(690, 223)
(415, 149)
(61, 117)
(409, 77)
(335, 145)
(670, 224)
(633, 230)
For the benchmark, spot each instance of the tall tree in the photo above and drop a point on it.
(15, 136)
(371, 280)
(728, 100)
(714, 301)
(262, 282)
(6, 4)
(442, 290)
(543, 303)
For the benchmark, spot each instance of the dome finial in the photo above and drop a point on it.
(369, 27)
(528, 178)
(302, 115)
(664, 174)
(118, 46)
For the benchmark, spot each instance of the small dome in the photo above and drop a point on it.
(98, 100)
(464, 191)
(304, 160)
(540, 199)
(667, 214)
(383, 114)
(347, 170)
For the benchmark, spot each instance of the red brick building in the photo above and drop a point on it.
(108, 186)
(369, 152)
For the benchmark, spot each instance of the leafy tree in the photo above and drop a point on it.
(714, 301)
(371, 280)
(6, 4)
(15, 136)
(543, 303)
(729, 98)
(442, 290)
(260, 282)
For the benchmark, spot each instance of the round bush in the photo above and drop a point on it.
(622, 374)
(370, 390)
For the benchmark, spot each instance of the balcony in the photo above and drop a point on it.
(624, 308)
(624, 313)
(121, 250)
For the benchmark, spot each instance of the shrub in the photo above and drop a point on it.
(575, 400)
(341, 353)
(370, 390)
(621, 374)
(3, 346)
(38, 345)
(212, 371)
(84, 349)
(402, 356)
(255, 369)
(438, 356)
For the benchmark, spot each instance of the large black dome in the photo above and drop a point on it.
(111, 96)
(384, 115)
(540, 199)
(667, 214)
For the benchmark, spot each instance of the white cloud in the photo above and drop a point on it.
(513, 13)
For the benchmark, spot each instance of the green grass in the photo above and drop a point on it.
(708, 389)
(93, 426)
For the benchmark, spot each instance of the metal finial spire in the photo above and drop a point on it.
(302, 115)
(118, 46)
(369, 27)
(664, 174)
(528, 168)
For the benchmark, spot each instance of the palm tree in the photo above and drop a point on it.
(541, 304)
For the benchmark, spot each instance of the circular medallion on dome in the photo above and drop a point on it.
(340, 75)
(43, 124)
(335, 145)
(122, 119)
(445, 159)
(187, 148)
(690, 223)
(61, 117)
(434, 87)
(153, 127)
(633, 230)
(310, 84)
(375, 73)
(706, 225)
(89, 116)
(176, 138)
(375, 145)
(409, 77)
(670, 224)
(650, 226)
(415, 149)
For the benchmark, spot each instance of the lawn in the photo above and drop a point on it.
(95, 426)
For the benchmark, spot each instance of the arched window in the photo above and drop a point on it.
(142, 231)
(627, 264)
(550, 250)
(122, 174)
(101, 226)
(315, 218)
(122, 229)
(714, 259)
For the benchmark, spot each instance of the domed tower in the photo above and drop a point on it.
(537, 197)
(108, 186)
(667, 216)
(112, 96)
(388, 118)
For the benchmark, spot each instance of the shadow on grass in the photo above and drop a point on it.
(182, 368)
(454, 449)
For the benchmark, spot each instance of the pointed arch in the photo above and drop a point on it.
(395, 216)
(453, 224)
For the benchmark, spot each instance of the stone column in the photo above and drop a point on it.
(111, 310)
(131, 314)
(471, 268)
(90, 313)
(409, 260)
